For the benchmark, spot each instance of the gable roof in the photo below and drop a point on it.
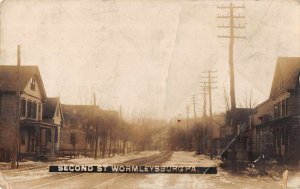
(9, 79)
(286, 75)
(77, 111)
(50, 107)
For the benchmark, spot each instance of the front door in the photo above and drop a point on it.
(31, 143)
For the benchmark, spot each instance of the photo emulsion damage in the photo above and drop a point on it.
(162, 94)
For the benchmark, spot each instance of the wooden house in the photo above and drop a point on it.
(38, 136)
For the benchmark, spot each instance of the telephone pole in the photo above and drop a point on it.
(16, 146)
(209, 78)
(96, 128)
(187, 126)
(203, 130)
(120, 130)
(194, 108)
(232, 26)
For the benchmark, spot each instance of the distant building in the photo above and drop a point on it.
(40, 117)
(236, 135)
(82, 123)
(77, 133)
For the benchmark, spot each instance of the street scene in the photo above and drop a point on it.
(179, 94)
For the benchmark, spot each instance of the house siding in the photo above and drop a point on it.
(8, 124)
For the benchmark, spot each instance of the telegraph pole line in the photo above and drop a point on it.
(194, 108)
(204, 93)
(232, 26)
(187, 126)
(210, 87)
(195, 124)
(119, 131)
(95, 125)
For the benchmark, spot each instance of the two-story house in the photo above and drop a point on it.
(37, 136)
(53, 115)
(277, 120)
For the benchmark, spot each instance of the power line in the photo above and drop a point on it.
(232, 26)
(210, 86)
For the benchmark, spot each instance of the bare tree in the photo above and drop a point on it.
(226, 99)
(248, 100)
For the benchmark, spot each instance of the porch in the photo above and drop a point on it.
(38, 139)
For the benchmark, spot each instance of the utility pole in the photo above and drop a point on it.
(198, 136)
(204, 93)
(96, 128)
(120, 148)
(194, 108)
(187, 127)
(16, 147)
(210, 87)
(232, 26)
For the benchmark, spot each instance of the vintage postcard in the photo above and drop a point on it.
(161, 94)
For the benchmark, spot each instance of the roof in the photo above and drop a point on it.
(9, 79)
(83, 113)
(263, 112)
(77, 111)
(240, 115)
(286, 75)
(50, 107)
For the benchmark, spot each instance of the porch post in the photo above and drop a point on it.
(52, 140)
(57, 138)
(37, 139)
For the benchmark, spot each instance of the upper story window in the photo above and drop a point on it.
(32, 84)
(23, 107)
(282, 108)
(31, 109)
(39, 111)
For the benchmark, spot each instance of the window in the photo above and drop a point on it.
(283, 108)
(29, 105)
(280, 109)
(276, 111)
(34, 110)
(31, 109)
(32, 84)
(39, 111)
(287, 105)
(23, 107)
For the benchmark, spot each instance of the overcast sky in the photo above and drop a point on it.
(147, 56)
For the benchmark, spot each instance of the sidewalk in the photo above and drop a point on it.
(40, 169)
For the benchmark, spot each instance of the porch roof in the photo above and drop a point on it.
(28, 122)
